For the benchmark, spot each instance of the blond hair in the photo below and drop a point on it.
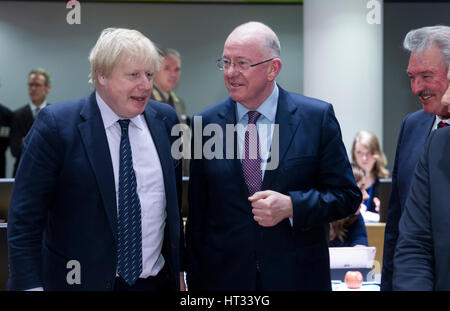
(118, 45)
(370, 141)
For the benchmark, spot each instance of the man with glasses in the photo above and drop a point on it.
(253, 225)
(38, 87)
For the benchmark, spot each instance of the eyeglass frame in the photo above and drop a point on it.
(240, 68)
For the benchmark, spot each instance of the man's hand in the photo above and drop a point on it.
(377, 204)
(270, 207)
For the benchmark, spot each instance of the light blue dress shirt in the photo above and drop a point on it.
(264, 124)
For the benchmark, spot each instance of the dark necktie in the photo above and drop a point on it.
(251, 162)
(442, 124)
(129, 260)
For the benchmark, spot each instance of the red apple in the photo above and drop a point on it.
(353, 279)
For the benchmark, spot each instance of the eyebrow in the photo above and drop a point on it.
(421, 72)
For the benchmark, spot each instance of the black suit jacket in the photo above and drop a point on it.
(422, 255)
(22, 120)
(224, 243)
(5, 132)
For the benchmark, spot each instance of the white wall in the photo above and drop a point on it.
(343, 63)
(36, 34)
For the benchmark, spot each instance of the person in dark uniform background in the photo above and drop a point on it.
(166, 79)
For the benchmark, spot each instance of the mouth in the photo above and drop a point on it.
(426, 95)
(235, 84)
(425, 98)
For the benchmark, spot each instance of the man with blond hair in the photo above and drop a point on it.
(95, 204)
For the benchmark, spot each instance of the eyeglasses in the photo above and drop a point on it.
(242, 65)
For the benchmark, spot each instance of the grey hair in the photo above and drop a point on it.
(170, 53)
(418, 39)
(42, 72)
(271, 41)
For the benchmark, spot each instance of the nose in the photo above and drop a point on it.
(231, 71)
(145, 83)
(416, 86)
(446, 98)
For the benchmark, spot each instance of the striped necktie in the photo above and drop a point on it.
(129, 261)
(251, 162)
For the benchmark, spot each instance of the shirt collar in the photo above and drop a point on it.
(439, 119)
(33, 106)
(110, 117)
(268, 108)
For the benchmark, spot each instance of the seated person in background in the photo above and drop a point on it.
(166, 79)
(351, 231)
(367, 154)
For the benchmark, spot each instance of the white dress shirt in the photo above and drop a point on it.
(264, 124)
(150, 183)
(33, 108)
(437, 120)
(149, 179)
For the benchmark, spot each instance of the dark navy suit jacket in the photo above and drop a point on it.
(223, 241)
(65, 188)
(414, 131)
(422, 255)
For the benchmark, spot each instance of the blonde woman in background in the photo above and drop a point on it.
(367, 154)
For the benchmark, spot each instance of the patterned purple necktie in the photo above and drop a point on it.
(442, 124)
(251, 162)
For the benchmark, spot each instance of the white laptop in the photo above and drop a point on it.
(352, 257)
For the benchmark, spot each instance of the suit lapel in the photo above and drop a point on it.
(287, 119)
(93, 135)
(420, 133)
(228, 116)
(427, 124)
(28, 117)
